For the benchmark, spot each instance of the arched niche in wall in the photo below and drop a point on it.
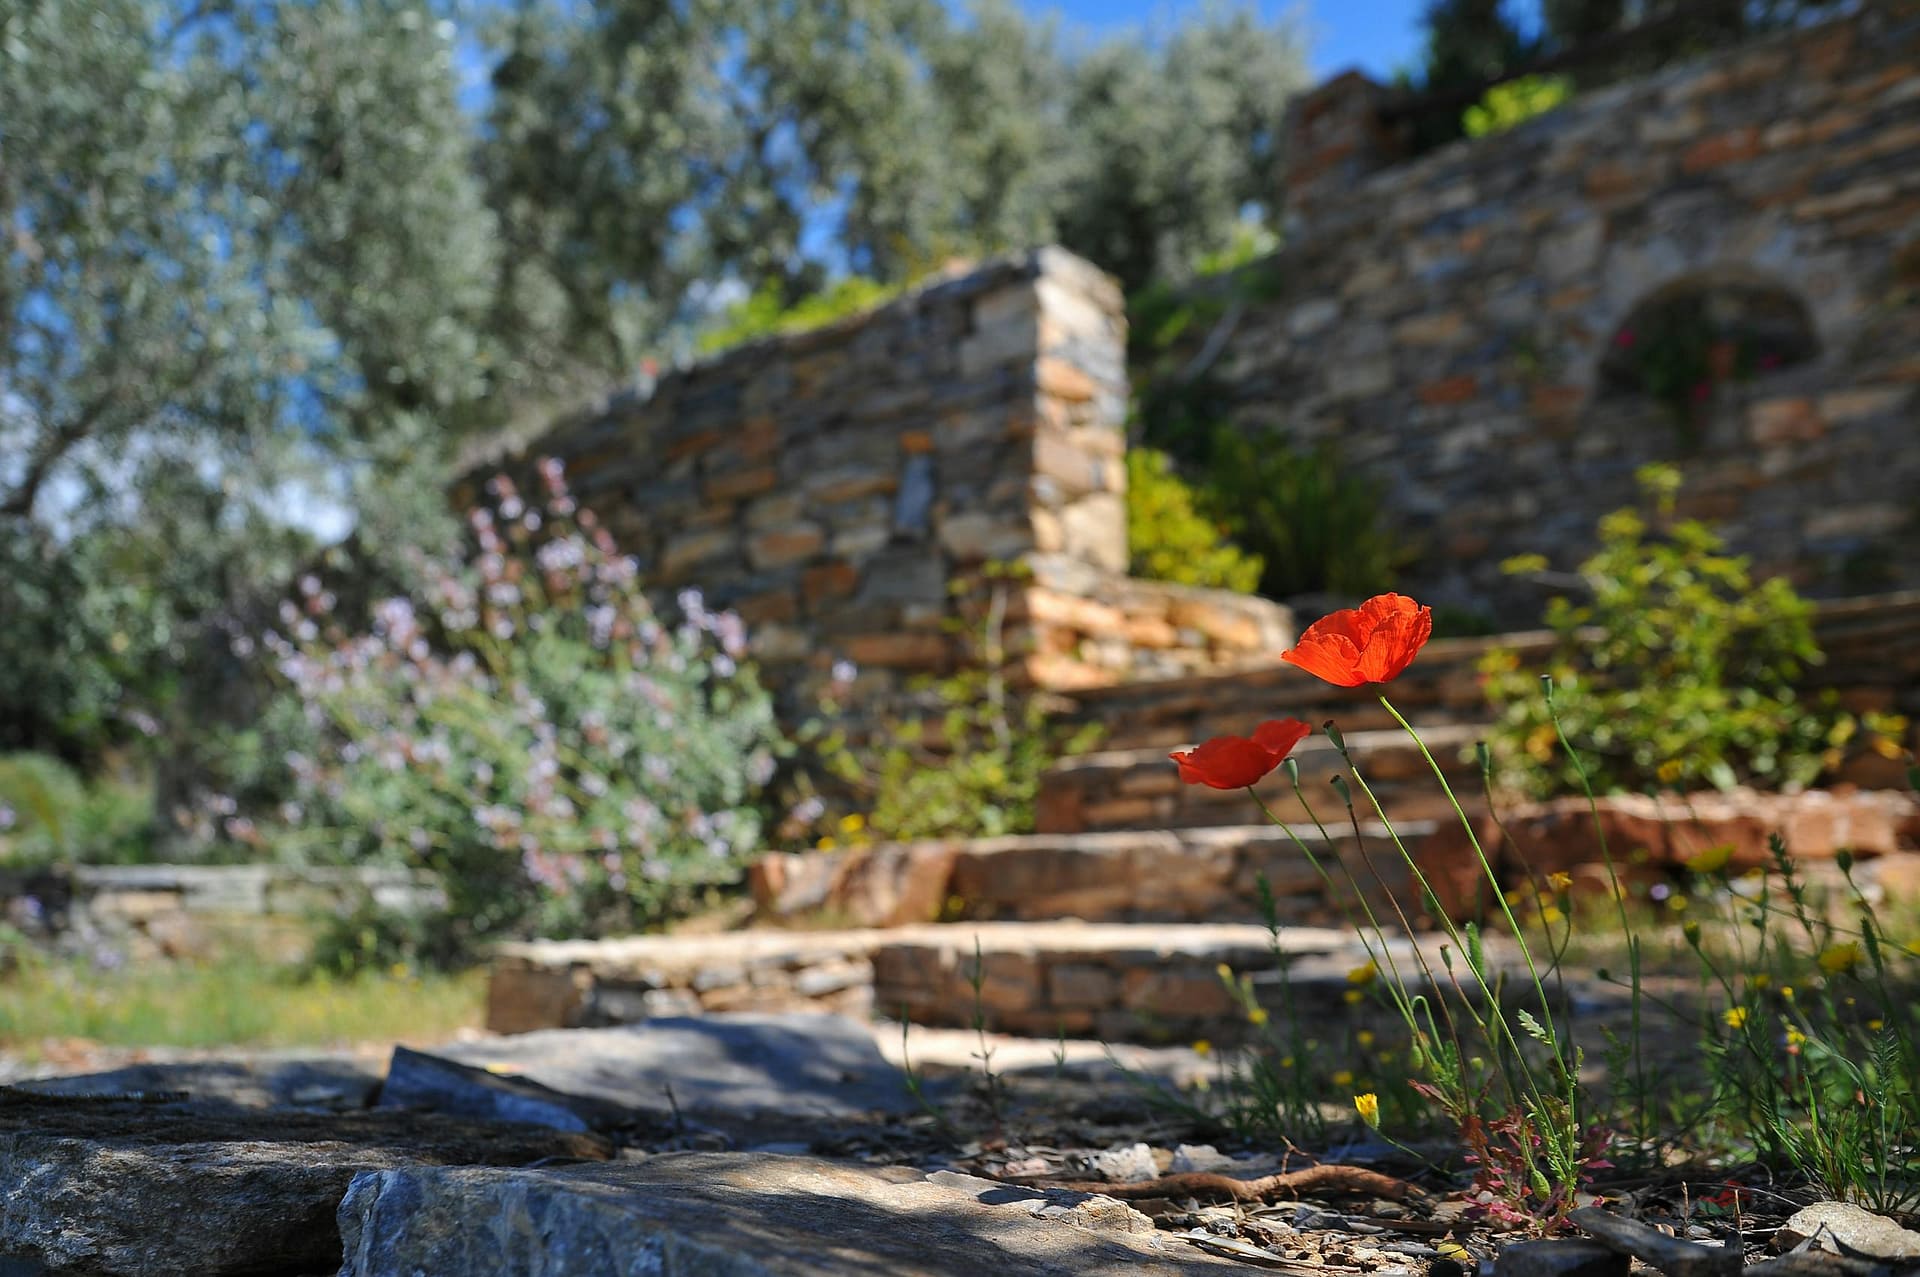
(1690, 341)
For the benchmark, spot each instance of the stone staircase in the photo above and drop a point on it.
(1112, 921)
(1114, 918)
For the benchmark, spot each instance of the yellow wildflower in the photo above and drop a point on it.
(1551, 914)
(1286, 1061)
(1343, 1078)
(1203, 1047)
(1364, 1037)
(1786, 991)
(1677, 902)
(1838, 959)
(1364, 974)
(1712, 860)
(1736, 1017)
(1224, 971)
(1670, 771)
(825, 844)
(852, 823)
(1560, 881)
(1257, 1016)
(1795, 1038)
(1874, 1026)
(1354, 997)
(1759, 981)
(1368, 1107)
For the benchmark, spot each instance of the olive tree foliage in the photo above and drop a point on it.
(260, 258)
(634, 149)
(244, 267)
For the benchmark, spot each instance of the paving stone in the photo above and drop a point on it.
(730, 1215)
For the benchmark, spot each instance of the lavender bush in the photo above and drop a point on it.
(561, 758)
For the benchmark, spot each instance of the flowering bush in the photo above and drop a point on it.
(560, 758)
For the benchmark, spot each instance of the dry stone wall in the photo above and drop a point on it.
(845, 489)
(140, 913)
(1445, 320)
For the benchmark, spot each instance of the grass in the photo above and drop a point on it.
(233, 1003)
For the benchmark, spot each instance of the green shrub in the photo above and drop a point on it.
(1512, 104)
(50, 814)
(561, 759)
(968, 766)
(1677, 673)
(766, 314)
(1314, 524)
(1169, 539)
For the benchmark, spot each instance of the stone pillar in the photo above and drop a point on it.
(1335, 137)
(843, 489)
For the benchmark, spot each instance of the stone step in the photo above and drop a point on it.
(1872, 662)
(1115, 982)
(1177, 875)
(1201, 873)
(1152, 982)
(1141, 788)
(1442, 687)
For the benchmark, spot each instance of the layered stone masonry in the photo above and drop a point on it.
(143, 912)
(851, 490)
(1445, 320)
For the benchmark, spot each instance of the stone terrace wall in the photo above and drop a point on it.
(1444, 320)
(842, 489)
(144, 912)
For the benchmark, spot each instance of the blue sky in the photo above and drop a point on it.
(1375, 35)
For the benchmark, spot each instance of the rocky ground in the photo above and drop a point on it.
(774, 1146)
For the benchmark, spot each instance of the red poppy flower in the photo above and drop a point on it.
(1371, 643)
(1235, 762)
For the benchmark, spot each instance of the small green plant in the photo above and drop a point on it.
(1507, 106)
(1677, 672)
(968, 768)
(1169, 538)
(767, 314)
(1314, 523)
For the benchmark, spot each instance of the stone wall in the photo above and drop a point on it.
(1445, 320)
(143, 912)
(843, 489)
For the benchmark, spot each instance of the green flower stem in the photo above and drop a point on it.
(1493, 879)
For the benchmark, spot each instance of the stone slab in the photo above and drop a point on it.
(107, 1187)
(726, 1215)
(775, 1070)
(325, 1083)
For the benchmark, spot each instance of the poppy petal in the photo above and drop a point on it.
(1280, 735)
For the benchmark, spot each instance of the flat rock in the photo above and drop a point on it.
(110, 1186)
(321, 1082)
(724, 1215)
(776, 1071)
(1570, 1258)
(1850, 1230)
(1654, 1248)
